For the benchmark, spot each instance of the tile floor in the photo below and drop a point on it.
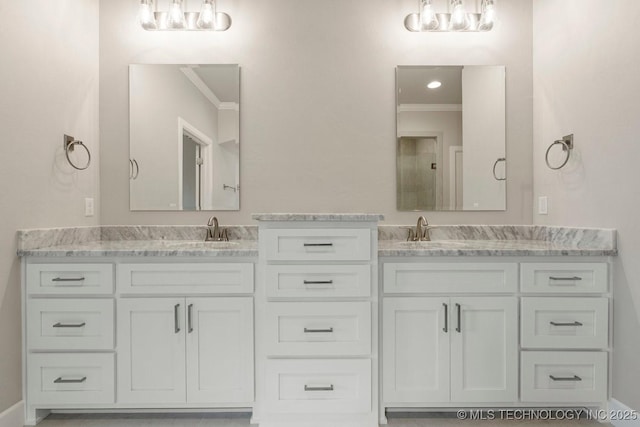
(241, 420)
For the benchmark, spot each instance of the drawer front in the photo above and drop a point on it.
(319, 329)
(319, 386)
(564, 277)
(186, 278)
(564, 377)
(318, 244)
(565, 323)
(308, 281)
(70, 379)
(66, 279)
(70, 324)
(401, 278)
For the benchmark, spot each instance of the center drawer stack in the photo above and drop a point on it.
(319, 326)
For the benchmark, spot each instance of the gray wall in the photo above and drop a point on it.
(49, 86)
(317, 102)
(587, 82)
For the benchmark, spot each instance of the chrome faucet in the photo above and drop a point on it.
(421, 233)
(214, 233)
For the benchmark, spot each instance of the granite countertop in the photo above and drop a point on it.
(188, 241)
(163, 248)
(348, 217)
(395, 248)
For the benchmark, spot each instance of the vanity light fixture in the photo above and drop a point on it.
(176, 18)
(457, 19)
(434, 84)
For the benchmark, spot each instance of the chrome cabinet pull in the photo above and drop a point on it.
(190, 318)
(61, 380)
(565, 324)
(317, 244)
(446, 318)
(176, 320)
(573, 378)
(69, 325)
(318, 282)
(318, 331)
(323, 388)
(68, 279)
(566, 279)
(459, 309)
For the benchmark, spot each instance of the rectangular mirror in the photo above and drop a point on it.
(450, 153)
(184, 137)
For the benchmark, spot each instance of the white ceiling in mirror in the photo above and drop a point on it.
(413, 81)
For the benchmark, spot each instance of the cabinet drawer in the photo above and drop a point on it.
(186, 278)
(318, 386)
(65, 279)
(564, 377)
(70, 324)
(564, 277)
(450, 277)
(70, 379)
(319, 329)
(300, 281)
(565, 323)
(318, 244)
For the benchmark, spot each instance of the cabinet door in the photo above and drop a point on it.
(151, 350)
(484, 349)
(415, 350)
(219, 350)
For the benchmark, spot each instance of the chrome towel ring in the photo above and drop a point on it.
(501, 159)
(69, 145)
(567, 146)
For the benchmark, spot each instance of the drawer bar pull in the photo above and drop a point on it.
(69, 325)
(318, 282)
(446, 318)
(61, 380)
(566, 324)
(190, 318)
(176, 319)
(566, 279)
(325, 388)
(317, 244)
(573, 378)
(459, 327)
(68, 279)
(318, 331)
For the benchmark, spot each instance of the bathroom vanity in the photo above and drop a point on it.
(315, 319)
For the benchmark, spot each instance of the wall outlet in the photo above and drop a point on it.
(89, 207)
(543, 205)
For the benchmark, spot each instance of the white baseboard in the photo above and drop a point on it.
(13, 416)
(618, 409)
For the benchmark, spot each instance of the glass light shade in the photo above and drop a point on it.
(459, 19)
(207, 16)
(146, 16)
(428, 18)
(488, 17)
(175, 17)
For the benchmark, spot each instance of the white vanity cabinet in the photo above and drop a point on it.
(138, 333)
(440, 349)
(565, 333)
(177, 350)
(317, 323)
(526, 332)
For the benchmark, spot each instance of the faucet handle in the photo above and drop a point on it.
(224, 235)
(411, 236)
